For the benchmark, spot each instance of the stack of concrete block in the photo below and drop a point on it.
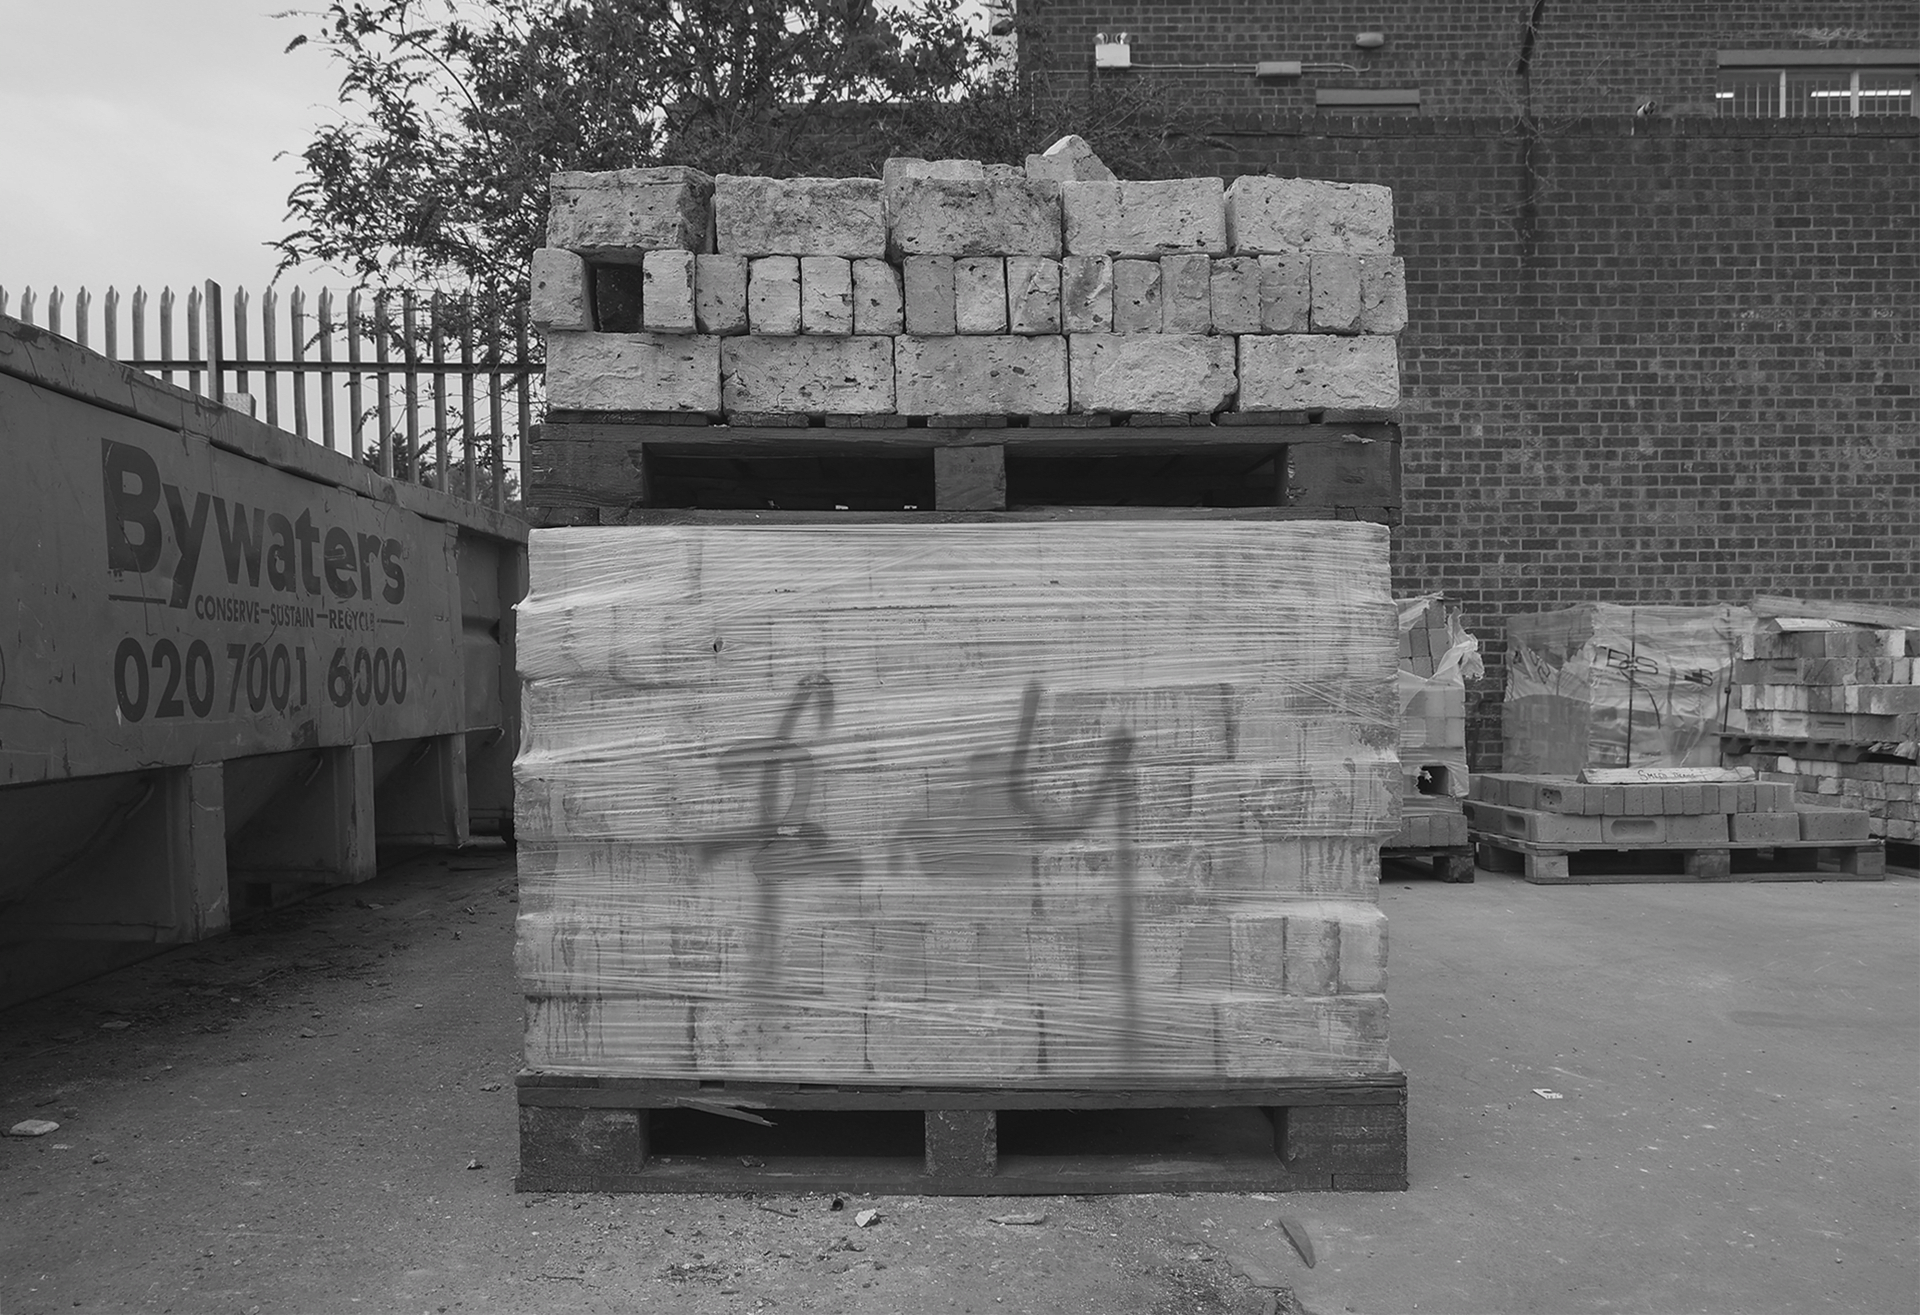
(955, 288)
(1437, 657)
(1834, 710)
(958, 804)
(1566, 813)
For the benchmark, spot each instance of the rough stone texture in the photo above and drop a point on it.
(1086, 294)
(826, 295)
(1285, 298)
(561, 296)
(1236, 295)
(633, 371)
(1186, 294)
(1383, 294)
(616, 216)
(773, 295)
(896, 172)
(1068, 160)
(980, 295)
(798, 216)
(720, 293)
(1164, 372)
(1160, 217)
(1136, 296)
(1312, 371)
(666, 292)
(964, 217)
(1307, 214)
(815, 376)
(877, 304)
(929, 293)
(1000, 375)
(1335, 280)
(1033, 294)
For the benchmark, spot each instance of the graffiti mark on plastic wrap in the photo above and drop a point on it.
(783, 842)
(979, 829)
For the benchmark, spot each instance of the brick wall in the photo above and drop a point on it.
(1665, 359)
(1674, 362)
(1462, 55)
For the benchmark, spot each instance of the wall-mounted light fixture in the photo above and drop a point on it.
(1114, 53)
(1370, 40)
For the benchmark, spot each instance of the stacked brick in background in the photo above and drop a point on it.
(963, 804)
(955, 288)
(1833, 709)
(1437, 658)
(1607, 685)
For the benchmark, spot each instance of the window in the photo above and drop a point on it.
(1841, 84)
(1366, 100)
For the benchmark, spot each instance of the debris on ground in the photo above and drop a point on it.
(1016, 1220)
(866, 1218)
(33, 1128)
(1297, 1234)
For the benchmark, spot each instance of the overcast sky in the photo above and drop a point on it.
(141, 138)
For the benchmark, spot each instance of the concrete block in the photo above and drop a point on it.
(798, 216)
(633, 372)
(1086, 294)
(900, 170)
(1163, 372)
(966, 217)
(1301, 372)
(1033, 294)
(929, 294)
(998, 375)
(1235, 295)
(666, 292)
(1383, 294)
(616, 216)
(720, 293)
(561, 294)
(1305, 214)
(1068, 160)
(826, 295)
(1832, 823)
(1161, 217)
(1764, 828)
(813, 376)
(877, 303)
(773, 295)
(1136, 296)
(1186, 294)
(1286, 299)
(980, 294)
(1336, 293)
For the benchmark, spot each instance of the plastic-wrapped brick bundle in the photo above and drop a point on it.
(1607, 685)
(957, 804)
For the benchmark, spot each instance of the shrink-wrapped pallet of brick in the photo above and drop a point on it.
(966, 804)
(1612, 685)
(1437, 658)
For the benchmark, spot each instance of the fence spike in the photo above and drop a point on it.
(297, 314)
(466, 388)
(269, 377)
(326, 374)
(110, 322)
(355, 416)
(139, 317)
(53, 309)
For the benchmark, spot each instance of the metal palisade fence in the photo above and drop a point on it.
(434, 389)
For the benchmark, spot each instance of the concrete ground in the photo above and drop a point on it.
(316, 1114)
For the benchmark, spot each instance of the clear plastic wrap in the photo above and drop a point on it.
(1608, 685)
(967, 803)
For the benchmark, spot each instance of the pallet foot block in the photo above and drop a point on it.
(1012, 805)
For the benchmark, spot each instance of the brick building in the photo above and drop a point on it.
(1663, 264)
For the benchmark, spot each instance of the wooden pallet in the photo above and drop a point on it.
(588, 1134)
(1452, 863)
(616, 470)
(1784, 861)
